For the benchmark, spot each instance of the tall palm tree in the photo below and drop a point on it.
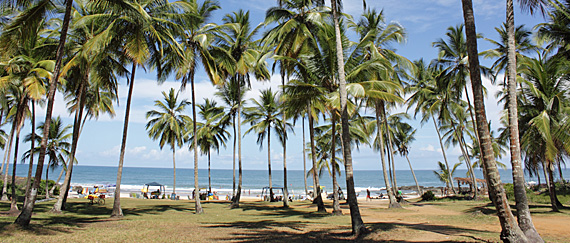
(404, 135)
(542, 116)
(167, 124)
(262, 116)
(357, 223)
(236, 39)
(427, 98)
(92, 82)
(233, 97)
(510, 230)
(134, 28)
(58, 146)
(211, 132)
(295, 30)
(27, 210)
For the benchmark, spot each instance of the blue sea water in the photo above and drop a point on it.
(252, 179)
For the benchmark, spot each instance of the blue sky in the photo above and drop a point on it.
(425, 22)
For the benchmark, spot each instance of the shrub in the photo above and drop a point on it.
(428, 196)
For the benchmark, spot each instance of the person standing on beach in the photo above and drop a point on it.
(368, 195)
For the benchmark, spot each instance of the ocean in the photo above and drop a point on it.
(253, 180)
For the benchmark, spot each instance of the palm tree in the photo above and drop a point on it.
(233, 97)
(510, 230)
(211, 133)
(58, 146)
(26, 213)
(357, 224)
(262, 116)
(134, 28)
(236, 40)
(543, 120)
(403, 136)
(524, 218)
(427, 97)
(91, 85)
(444, 174)
(167, 124)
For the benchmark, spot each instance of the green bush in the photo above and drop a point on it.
(428, 196)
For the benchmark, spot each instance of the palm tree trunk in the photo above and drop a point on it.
(64, 190)
(117, 211)
(414, 174)
(47, 184)
(443, 152)
(271, 195)
(510, 230)
(32, 146)
(234, 155)
(560, 172)
(463, 148)
(392, 199)
(336, 204)
(28, 208)
(285, 189)
(524, 218)
(284, 122)
(316, 187)
(198, 206)
(235, 202)
(7, 153)
(20, 119)
(390, 154)
(58, 179)
(304, 160)
(552, 191)
(174, 169)
(545, 175)
(209, 173)
(357, 224)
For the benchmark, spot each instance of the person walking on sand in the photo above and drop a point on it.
(368, 195)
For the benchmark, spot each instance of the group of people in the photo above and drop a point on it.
(399, 196)
(153, 195)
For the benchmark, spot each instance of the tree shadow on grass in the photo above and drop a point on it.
(274, 231)
(440, 229)
(269, 210)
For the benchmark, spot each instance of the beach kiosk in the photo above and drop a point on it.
(156, 192)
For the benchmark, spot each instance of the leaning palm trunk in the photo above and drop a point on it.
(443, 152)
(510, 230)
(117, 211)
(198, 206)
(28, 208)
(414, 174)
(524, 219)
(60, 203)
(316, 187)
(7, 153)
(552, 190)
(58, 179)
(20, 119)
(463, 148)
(336, 204)
(392, 199)
(389, 150)
(357, 224)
